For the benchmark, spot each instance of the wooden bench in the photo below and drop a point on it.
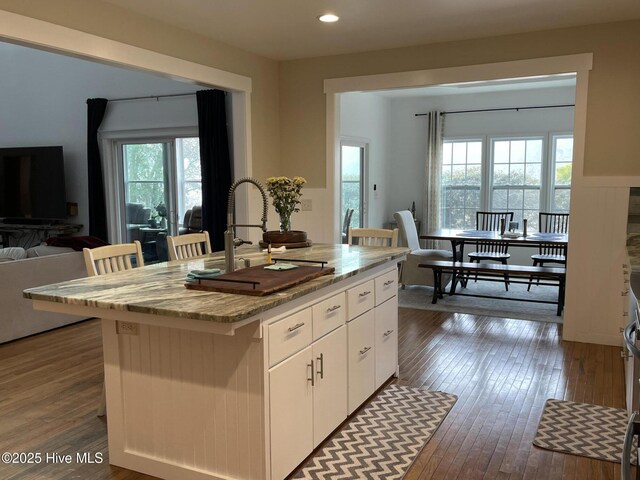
(554, 275)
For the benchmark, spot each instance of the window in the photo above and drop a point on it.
(461, 182)
(160, 182)
(519, 174)
(188, 174)
(562, 153)
(517, 178)
(352, 181)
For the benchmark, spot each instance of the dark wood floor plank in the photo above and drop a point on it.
(502, 371)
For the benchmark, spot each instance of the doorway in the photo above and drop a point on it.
(160, 181)
(353, 184)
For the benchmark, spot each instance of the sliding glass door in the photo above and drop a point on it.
(160, 182)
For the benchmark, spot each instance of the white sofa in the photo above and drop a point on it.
(17, 316)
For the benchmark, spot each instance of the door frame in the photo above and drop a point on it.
(580, 64)
(110, 142)
(362, 143)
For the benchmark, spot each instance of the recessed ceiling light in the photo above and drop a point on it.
(328, 18)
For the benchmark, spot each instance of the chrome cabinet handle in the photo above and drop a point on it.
(388, 282)
(364, 350)
(295, 327)
(387, 333)
(333, 309)
(321, 362)
(312, 377)
(364, 294)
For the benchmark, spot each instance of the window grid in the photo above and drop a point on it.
(462, 179)
(519, 175)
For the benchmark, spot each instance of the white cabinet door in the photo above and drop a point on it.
(386, 347)
(291, 413)
(330, 391)
(361, 354)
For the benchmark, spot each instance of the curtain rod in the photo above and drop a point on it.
(150, 97)
(517, 109)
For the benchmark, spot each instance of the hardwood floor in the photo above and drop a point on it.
(502, 370)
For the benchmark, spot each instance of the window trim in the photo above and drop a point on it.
(547, 173)
(114, 174)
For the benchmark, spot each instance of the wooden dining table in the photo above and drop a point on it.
(459, 238)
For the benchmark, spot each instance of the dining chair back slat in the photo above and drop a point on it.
(373, 237)
(553, 223)
(112, 258)
(491, 221)
(189, 245)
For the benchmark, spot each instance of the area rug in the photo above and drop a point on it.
(582, 429)
(416, 296)
(382, 440)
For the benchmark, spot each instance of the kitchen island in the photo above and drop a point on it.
(213, 385)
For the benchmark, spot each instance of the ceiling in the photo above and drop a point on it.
(289, 29)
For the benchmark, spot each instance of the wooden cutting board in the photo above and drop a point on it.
(259, 281)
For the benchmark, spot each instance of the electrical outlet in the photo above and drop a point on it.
(306, 205)
(126, 328)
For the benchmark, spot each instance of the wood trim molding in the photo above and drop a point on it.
(467, 73)
(48, 36)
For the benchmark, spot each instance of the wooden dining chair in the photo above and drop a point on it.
(191, 245)
(550, 253)
(111, 259)
(346, 224)
(373, 237)
(494, 251)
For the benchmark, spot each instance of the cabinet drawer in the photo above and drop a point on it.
(386, 318)
(289, 335)
(386, 286)
(329, 315)
(360, 299)
(361, 359)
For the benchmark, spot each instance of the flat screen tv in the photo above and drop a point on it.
(32, 183)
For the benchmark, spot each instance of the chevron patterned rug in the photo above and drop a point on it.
(582, 429)
(382, 441)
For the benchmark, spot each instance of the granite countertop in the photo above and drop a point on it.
(159, 289)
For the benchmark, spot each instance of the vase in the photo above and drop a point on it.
(285, 222)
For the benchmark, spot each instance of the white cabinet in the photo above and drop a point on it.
(328, 315)
(361, 359)
(326, 359)
(289, 336)
(360, 299)
(386, 343)
(308, 400)
(330, 389)
(291, 412)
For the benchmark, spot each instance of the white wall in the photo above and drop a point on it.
(43, 102)
(407, 142)
(365, 117)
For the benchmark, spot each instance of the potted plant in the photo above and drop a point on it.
(285, 193)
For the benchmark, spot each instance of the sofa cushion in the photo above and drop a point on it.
(13, 253)
(43, 250)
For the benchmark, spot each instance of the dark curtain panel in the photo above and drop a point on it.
(215, 163)
(96, 108)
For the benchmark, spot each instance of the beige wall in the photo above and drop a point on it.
(114, 23)
(613, 124)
